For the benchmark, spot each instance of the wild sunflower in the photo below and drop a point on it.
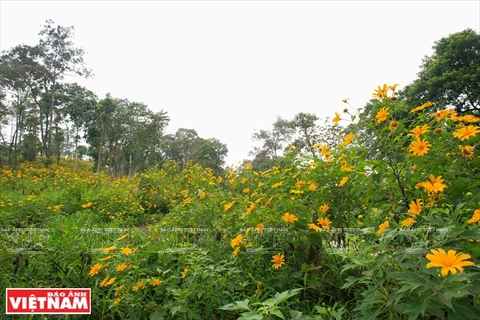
(449, 262)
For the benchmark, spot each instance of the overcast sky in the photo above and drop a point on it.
(228, 68)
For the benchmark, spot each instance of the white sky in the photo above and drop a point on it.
(228, 68)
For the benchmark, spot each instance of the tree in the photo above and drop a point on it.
(20, 74)
(451, 76)
(81, 151)
(80, 107)
(307, 135)
(275, 140)
(98, 133)
(185, 145)
(58, 57)
(125, 136)
(32, 77)
(211, 153)
(180, 146)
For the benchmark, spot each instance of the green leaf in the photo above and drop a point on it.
(156, 316)
(476, 162)
(349, 282)
(464, 310)
(456, 291)
(270, 302)
(349, 266)
(315, 239)
(237, 306)
(413, 309)
(277, 312)
(252, 315)
(297, 315)
(410, 282)
(280, 297)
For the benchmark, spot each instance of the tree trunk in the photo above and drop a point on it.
(75, 150)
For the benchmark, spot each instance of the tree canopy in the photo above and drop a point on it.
(450, 77)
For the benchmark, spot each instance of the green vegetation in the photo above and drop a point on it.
(375, 220)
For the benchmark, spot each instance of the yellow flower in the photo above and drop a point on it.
(296, 191)
(466, 132)
(381, 115)
(434, 185)
(313, 226)
(442, 114)
(449, 262)
(117, 301)
(475, 218)
(250, 208)
(106, 258)
(87, 205)
(122, 237)
(227, 206)
(246, 190)
(117, 292)
(324, 222)
(343, 181)
(235, 252)
(312, 186)
(140, 285)
(423, 106)
(466, 118)
(384, 226)
(325, 151)
(248, 166)
(259, 228)
(95, 269)
(291, 218)
(407, 222)
(155, 282)
(345, 167)
(300, 183)
(393, 125)
(278, 184)
(123, 266)
(337, 118)
(347, 140)
(185, 271)
(415, 206)
(417, 131)
(128, 251)
(324, 208)
(381, 92)
(236, 241)
(393, 87)
(467, 151)
(259, 288)
(109, 249)
(419, 147)
(107, 281)
(278, 260)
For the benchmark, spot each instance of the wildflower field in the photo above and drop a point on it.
(379, 222)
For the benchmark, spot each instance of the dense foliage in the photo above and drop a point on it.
(337, 232)
(378, 219)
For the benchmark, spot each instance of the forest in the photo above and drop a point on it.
(372, 214)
